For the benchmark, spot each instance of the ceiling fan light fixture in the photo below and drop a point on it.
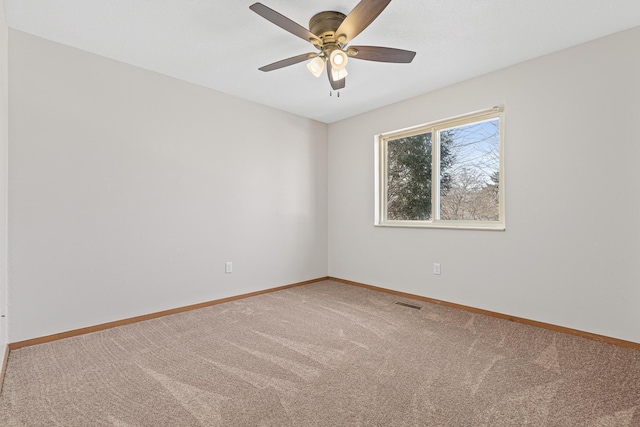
(338, 74)
(338, 59)
(316, 66)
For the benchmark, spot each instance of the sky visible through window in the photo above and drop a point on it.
(476, 150)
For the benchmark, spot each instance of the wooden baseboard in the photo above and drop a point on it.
(551, 327)
(109, 325)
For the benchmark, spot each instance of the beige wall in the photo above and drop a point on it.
(4, 140)
(129, 190)
(570, 253)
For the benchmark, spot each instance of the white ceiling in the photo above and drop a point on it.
(220, 44)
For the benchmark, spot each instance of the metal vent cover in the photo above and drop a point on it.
(404, 304)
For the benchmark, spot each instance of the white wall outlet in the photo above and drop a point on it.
(228, 267)
(436, 268)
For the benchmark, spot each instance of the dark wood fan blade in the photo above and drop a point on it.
(380, 54)
(360, 17)
(335, 84)
(289, 61)
(284, 22)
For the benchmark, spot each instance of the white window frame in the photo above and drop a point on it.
(434, 127)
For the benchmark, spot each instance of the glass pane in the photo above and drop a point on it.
(409, 178)
(469, 172)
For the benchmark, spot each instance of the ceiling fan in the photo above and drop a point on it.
(330, 32)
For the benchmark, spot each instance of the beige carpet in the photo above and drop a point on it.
(325, 354)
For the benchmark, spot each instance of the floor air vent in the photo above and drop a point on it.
(404, 304)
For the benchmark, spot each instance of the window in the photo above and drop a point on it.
(446, 174)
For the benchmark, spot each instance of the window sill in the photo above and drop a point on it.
(492, 226)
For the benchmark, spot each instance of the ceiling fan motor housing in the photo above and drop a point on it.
(325, 24)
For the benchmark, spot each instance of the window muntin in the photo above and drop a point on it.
(462, 156)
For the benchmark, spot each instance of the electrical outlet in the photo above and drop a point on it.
(228, 267)
(436, 268)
